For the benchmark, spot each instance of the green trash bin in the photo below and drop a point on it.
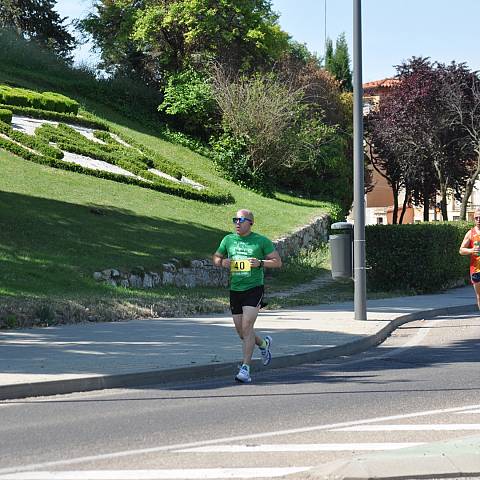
(341, 250)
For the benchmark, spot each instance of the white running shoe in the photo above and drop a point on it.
(265, 352)
(243, 375)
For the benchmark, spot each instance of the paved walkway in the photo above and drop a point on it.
(44, 361)
(68, 358)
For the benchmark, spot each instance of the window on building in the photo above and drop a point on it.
(379, 220)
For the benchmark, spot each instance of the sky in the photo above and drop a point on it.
(392, 30)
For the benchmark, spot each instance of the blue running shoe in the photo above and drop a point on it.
(265, 352)
(243, 375)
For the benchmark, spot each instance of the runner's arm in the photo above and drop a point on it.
(220, 261)
(465, 246)
(272, 260)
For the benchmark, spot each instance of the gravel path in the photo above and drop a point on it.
(320, 281)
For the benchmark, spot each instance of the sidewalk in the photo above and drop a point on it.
(71, 358)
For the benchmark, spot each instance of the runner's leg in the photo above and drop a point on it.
(237, 320)
(476, 287)
(249, 338)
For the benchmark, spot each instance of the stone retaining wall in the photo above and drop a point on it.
(202, 272)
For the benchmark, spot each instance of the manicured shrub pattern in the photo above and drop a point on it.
(423, 257)
(131, 159)
(136, 158)
(56, 117)
(33, 142)
(5, 115)
(44, 101)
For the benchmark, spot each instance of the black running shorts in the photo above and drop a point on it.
(248, 298)
(475, 277)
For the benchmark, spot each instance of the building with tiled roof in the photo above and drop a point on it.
(379, 201)
(372, 91)
(379, 86)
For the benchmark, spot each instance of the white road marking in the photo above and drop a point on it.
(300, 447)
(467, 412)
(167, 448)
(439, 427)
(187, 474)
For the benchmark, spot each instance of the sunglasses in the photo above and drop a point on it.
(240, 220)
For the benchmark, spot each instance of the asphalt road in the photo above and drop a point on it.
(422, 385)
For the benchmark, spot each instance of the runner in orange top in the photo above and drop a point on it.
(471, 246)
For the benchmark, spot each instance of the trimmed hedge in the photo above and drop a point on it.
(56, 117)
(44, 101)
(159, 161)
(165, 166)
(30, 141)
(423, 257)
(160, 185)
(5, 115)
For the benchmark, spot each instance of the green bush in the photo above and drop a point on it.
(5, 115)
(43, 101)
(231, 157)
(188, 98)
(59, 103)
(423, 257)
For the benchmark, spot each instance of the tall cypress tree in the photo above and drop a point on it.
(329, 55)
(337, 62)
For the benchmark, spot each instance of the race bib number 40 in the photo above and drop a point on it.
(240, 266)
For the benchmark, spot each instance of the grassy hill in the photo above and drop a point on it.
(58, 227)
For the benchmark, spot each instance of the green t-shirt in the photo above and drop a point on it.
(237, 248)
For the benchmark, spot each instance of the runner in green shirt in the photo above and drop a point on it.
(246, 254)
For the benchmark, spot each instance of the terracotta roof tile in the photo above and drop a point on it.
(384, 83)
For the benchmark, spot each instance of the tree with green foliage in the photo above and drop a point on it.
(329, 52)
(188, 99)
(278, 136)
(153, 39)
(337, 62)
(36, 20)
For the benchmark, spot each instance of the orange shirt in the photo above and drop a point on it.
(474, 259)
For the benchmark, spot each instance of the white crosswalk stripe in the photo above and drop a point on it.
(164, 474)
(445, 427)
(301, 447)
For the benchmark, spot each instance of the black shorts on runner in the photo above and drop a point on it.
(248, 298)
(475, 277)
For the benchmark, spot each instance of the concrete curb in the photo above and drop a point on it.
(100, 382)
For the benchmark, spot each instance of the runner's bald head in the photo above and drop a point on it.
(245, 213)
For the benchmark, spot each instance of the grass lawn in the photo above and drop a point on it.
(53, 238)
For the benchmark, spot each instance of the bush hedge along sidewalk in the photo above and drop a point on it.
(423, 257)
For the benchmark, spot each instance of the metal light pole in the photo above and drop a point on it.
(360, 283)
(325, 32)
